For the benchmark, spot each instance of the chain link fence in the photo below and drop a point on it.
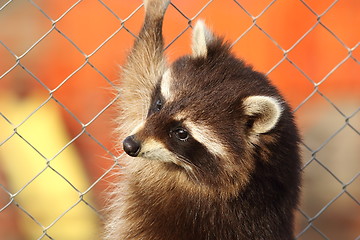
(57, 92)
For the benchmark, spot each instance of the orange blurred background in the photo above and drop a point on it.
(67, 55)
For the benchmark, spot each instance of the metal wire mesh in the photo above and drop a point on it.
(338, 128)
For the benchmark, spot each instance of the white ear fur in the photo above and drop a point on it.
(201, 38)
(266, 109)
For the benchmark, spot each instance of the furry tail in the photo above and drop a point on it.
(145, 65)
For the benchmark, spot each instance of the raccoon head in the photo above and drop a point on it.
(208, 113)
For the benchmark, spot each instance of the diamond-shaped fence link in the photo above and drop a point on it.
(58, 76)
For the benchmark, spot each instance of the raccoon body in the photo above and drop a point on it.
(212, 145)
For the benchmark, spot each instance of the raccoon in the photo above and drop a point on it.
(213, 147)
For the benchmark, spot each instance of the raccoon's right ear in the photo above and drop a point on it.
(201, 38)
(264, 112)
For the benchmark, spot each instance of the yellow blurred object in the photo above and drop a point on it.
(46, 181)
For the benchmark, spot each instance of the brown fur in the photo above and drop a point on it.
(235, 178)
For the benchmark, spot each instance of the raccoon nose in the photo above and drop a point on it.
(131, 146)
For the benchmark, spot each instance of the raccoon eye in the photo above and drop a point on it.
(181, 134)
(158, 105)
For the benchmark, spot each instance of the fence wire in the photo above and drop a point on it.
(331, 148)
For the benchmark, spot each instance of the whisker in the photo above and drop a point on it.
(189, 168)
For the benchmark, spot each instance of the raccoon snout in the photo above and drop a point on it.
(131, 146)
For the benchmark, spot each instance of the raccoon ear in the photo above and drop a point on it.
(201, 38)
(266, 112)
